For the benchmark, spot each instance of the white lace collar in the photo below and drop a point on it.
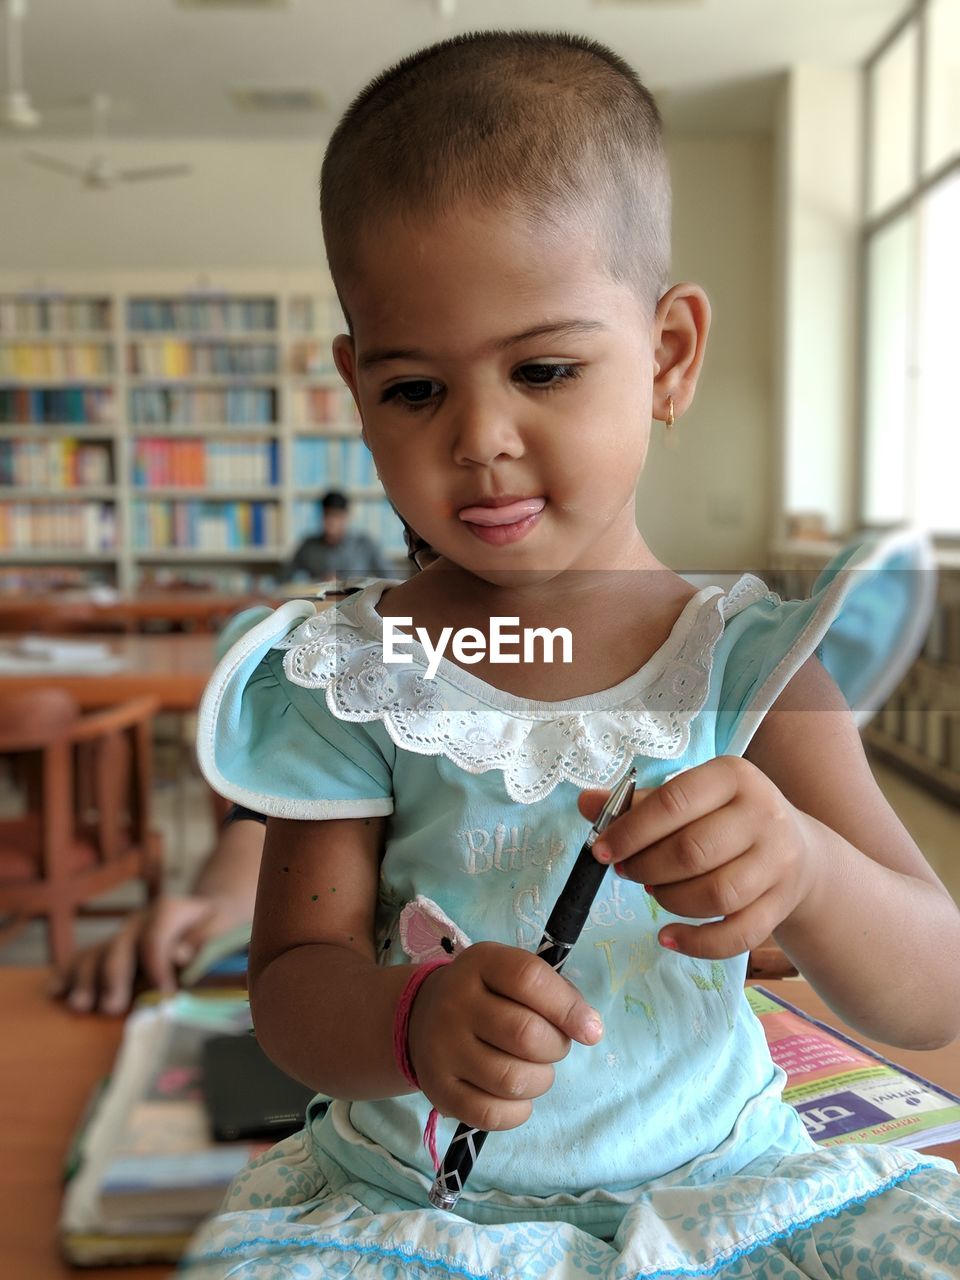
(587, 741)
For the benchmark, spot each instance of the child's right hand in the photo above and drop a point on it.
(486, 1029)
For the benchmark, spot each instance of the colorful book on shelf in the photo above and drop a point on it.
(846, 1092)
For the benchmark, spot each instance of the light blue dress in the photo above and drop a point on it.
(665, 1150)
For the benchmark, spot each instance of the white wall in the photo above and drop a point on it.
(707, 505)
(254, 206)
(245, 205)
(819, 213)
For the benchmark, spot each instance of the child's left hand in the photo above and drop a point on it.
(717, 840)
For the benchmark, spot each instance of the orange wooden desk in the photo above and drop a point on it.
(200, 610)
(171, 668)
(50, 1060)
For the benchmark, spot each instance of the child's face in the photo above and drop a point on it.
(505, 453)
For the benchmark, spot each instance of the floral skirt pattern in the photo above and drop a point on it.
(847, 1213)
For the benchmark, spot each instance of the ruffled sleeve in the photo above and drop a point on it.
(277, 748)
(865, 619)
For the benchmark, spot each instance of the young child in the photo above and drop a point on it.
(496, 213)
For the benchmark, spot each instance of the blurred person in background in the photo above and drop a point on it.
(336, 551)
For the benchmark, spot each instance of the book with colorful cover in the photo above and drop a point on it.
(146, 1169)
(222, 959)
(846, 1092)
(165, 1163)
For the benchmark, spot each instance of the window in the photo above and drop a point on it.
(942, 84)
(892, 113)
(888, 385)
(911, 408)
(937, 479)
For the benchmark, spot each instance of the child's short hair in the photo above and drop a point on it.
(540, 124)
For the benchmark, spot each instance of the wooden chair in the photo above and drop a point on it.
(87, 782)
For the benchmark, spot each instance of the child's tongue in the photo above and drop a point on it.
(503, 515)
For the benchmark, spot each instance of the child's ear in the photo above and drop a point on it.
(344, 357)
(680, 333)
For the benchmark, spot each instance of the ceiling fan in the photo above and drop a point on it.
(100, 173)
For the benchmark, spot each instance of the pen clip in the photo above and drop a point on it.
(617, 802)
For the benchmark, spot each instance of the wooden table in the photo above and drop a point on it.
(171, 668)
(50, 1060)
(198, 610)
(193, 610)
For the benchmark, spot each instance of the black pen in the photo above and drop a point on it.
(561, 932)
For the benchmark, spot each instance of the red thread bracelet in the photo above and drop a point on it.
(401, 1017)
(401, 1048)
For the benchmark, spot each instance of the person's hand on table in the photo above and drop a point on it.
(150, 947)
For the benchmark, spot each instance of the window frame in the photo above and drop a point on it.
(871, 224)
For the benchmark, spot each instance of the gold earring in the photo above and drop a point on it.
(670, 435)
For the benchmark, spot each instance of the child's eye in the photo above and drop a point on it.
(415, 394)
(420, 393)
(547, 376)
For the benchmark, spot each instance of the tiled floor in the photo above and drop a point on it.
(184, 814)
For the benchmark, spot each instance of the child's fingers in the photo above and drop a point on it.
(516, 1030)
(508, 1078)
(474, 1107)
(696, 850)
(722, 939)
(530, 981)
(729, 889)
(668, 808)
(591, 802)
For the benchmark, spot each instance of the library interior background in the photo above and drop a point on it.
(170, 417)
(171, 422)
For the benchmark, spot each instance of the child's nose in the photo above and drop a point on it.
(484, 431)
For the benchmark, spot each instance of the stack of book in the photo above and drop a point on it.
(145, 1169)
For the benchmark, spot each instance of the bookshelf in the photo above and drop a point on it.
(175, 427)
(917, 730)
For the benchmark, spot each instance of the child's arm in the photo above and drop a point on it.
(878, 935)
(797, 840)
(324, 1009)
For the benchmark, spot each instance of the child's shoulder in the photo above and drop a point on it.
(267, 737)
